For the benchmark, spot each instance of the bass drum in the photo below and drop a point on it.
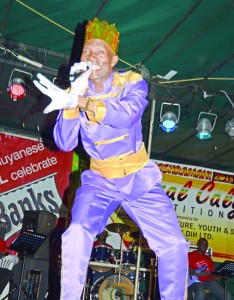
(112, 287)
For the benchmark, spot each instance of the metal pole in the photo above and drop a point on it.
(151, 278)
(155, 277)
(21, 276)
(121, 257)
(137, 268)
(152, 97)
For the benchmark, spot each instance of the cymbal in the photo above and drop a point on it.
(118, 227)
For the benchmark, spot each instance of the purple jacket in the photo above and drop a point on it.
(114, 130)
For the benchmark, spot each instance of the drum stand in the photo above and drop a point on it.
(121, 229)
(136, 286)
(86, 286)
(121, 257)
(153, 274)
(150, 281)
(120, 264)
(151, 269)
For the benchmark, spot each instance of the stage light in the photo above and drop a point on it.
(169, 121)
(169, 118)
(205, 126)
(16, 89)
(16, 85)
(204, 129)
(229, 128)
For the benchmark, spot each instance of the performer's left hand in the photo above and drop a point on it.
(80, 84)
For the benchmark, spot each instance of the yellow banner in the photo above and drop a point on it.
(204, 204)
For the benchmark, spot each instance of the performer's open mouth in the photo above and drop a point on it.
(95, 67)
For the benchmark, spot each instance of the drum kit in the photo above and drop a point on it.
(125, 272)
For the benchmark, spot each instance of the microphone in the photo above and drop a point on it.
(78, 73)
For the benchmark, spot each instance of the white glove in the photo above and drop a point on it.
(59, 98)
(79, 75)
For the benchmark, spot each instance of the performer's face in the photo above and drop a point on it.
(100, 54)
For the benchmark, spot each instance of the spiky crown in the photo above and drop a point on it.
(102, 30)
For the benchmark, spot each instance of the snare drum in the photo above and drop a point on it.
(128, 261)
(101, 254)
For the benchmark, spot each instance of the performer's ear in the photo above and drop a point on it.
(114, 61)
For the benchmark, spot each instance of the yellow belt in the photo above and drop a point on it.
(120, 166)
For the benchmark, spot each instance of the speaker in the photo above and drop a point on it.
(35, 279)
(41, 222)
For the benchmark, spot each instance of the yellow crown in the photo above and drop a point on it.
(102, 30)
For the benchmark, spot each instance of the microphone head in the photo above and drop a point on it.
(89, 65)
(77, 73)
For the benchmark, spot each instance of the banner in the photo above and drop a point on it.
(204, 203)
(33, 176)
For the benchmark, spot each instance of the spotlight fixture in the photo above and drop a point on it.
(16, 85)
(229, 128)
(17, 89)
(170, 118)
(205, 126)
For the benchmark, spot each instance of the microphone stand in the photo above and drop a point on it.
(21, 275)
(26, 243)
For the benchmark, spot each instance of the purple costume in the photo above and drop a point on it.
(120, 173)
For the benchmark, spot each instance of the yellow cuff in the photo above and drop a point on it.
(71, 113)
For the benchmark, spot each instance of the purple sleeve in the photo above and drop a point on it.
(66, 132)
(129, 108)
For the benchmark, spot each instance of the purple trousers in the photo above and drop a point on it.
(154, 214)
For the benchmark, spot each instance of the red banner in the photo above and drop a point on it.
(33, 176)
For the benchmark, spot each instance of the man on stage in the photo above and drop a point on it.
(106, 108)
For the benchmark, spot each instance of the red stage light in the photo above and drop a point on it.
(16, 89)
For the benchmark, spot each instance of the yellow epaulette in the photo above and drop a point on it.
(120, 79)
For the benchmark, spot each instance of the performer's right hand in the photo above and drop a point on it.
(60, 99)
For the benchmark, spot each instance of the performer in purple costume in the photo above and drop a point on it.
(106, 107)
